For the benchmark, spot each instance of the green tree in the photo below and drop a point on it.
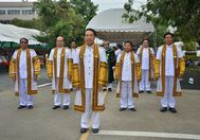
(64, 18)
(183, 14)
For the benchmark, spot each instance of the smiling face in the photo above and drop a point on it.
(60, 42)
(23, 44)
(89, 37)
(168, 39)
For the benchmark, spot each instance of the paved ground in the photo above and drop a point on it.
(43, 123)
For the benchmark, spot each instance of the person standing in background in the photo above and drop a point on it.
(111, 59)
(170, 66)
(24, 70)
(147, 59)
(59, 70)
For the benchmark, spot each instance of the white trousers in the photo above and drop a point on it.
(126, 95)
(24, 98)
(168, 99)
(89, 113)
(144, 83)
(61, 98)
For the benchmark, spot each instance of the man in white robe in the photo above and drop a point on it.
(147, 58)
(170, 66)
(24, 69)
(127, 72)
(59, 69)
(89, 77)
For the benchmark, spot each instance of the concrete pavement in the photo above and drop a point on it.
(43, 123)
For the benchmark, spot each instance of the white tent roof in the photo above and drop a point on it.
(13, 33)
(111, 26)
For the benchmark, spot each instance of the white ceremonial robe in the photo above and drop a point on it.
(168, 99)
(145, 84)
(126, 94)
(89, 112)
(21, 82)
(61, 98)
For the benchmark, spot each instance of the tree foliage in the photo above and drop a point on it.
(182, 14)
(64, 18)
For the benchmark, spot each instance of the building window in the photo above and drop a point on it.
(28, 12)
(2, 12)
(13, 12)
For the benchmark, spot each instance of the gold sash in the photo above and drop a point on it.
(29, 72)
(133, 69)
(95, 106)
(176, 71)
(61, 76)
(151, 57)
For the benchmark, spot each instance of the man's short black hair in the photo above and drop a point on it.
(128, 42)
(146, 39)
(168, 33)
(92, 30)
(23, 38)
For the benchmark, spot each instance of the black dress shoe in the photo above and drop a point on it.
(110, 89)
(65, 107)
(95, 130)
(122, 108)
(132, 109)
(149, 91)
(173, 110)
(104, 89)
(141, 91)
(55, 107)
(163, 109)
(84, 130)
(30, 107)
(21, 107)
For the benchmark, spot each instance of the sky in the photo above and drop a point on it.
(104, 4)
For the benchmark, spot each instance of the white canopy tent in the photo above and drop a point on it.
(11, 33)
(111, 26)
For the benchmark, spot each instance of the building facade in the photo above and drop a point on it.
(21, 10)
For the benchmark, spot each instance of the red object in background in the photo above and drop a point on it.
(6, 64)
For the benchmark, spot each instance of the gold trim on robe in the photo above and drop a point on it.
(179, 68)
(61, 76)
(49, 67)
(99, 78)
(14, 71)
(75, 76)
(151, 62)
(135, 68)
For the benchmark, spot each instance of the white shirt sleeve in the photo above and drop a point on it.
(138, 51)
(15, 55)
(179, 53)
(137, 60)
(158, 56)
(102, 53)
(51, 55)
(68, 53)
(152, 51)
(76, 56)
(118, 58)
(33, 53)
